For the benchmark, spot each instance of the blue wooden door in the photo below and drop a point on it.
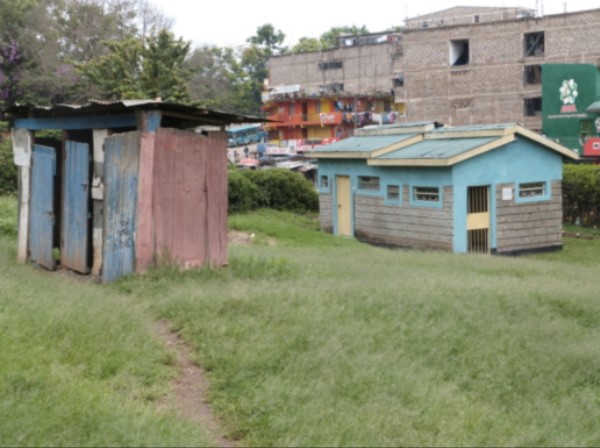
(76, 209)
(41, 226)
(121, 165)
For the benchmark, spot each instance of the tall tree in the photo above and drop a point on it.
(136, 69)
(263, 45)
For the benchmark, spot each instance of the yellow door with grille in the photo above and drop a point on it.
(344, 209)
(478, 219)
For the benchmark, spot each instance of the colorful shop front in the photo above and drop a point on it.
(485, 189)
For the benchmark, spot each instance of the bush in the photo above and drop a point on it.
(244, 195)
(8, 170)
(278, 189)
(581, 194)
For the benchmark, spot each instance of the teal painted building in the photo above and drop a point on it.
(486, 189)
(571, 106)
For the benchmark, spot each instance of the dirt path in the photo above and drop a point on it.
(189, 389)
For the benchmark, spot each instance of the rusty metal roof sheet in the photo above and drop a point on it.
(184, 113)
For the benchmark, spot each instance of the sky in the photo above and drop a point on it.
(228, 23)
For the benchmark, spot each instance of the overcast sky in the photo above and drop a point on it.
(231, 22)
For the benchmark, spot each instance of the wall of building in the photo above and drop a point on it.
(489, 89)
(528, 226)
(516, 223)
(405, 225)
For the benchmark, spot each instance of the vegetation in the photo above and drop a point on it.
(278, 189)
(581, 192)
(308, 340)
(8, 170)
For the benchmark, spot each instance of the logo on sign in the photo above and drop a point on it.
(568, 95)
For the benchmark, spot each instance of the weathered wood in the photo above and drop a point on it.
(22, 141)
(215, 145)
(145, 238)
(190, 227)
(41, 228)
(68, 123)
(75, 208)
(121, 169)
(402, 233)
(99, 136)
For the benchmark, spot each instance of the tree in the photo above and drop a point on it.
(329, 39)
(136, 69)
(55, 35)
(266, 43)
(306, 44)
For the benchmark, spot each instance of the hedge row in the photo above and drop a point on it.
(8, 170)
(278, 189)
(581, 194)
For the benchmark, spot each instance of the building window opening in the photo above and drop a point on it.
(368, 183)
(429, 194)
(532, 189)
(330, 65)
(399, 80)
(534, 44)
(393, 192)
(324, 182)
(459, 52)
(532, 74)
(533, 107)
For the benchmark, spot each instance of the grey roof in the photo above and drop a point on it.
(438, 148)
(365, 143)
(191, 114)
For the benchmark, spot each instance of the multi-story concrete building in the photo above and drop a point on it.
(466, 66)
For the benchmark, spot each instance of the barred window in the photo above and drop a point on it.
(324, 182)
(532, 189)
(393, 192)
(428, 194)
(368, 183)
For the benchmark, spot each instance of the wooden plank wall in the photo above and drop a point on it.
(526, 226)
(189, 198)
(121, 190)
(405, 225)
(326, 212)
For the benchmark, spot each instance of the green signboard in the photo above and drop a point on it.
(568, 90)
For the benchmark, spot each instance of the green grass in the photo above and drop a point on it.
(79, 365)
(312, 340)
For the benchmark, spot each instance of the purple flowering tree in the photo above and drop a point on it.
(10, 63)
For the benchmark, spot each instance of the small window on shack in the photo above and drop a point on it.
(368, 183)
(459, 52)
(533, 44)
(324, 182)
(393, 193)
(532, 189)
(426, 194)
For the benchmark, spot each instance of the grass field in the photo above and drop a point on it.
(311, 340)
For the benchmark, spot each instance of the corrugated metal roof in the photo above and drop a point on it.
(474, 128)
(365, 143)
(192, 114)
(438, 149)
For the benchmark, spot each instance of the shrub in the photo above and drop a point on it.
(581, 194)
(281, 189)
(8, 170)
(244, 195)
